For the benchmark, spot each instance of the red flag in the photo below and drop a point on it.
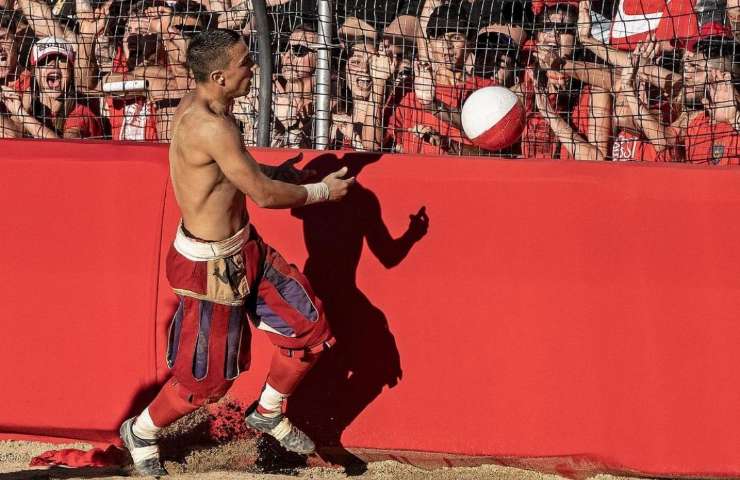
(72, 457)
(673, 20)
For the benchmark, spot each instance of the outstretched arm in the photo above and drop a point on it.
(224, 144)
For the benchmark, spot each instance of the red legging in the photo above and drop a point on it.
(175, 401)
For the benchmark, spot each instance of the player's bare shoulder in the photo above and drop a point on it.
(190, 132)
(197, 128)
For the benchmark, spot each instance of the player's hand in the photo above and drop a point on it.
(338, 186)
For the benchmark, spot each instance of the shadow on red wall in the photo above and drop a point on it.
(365, 359)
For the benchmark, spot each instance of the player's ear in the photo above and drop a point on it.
(218, 77)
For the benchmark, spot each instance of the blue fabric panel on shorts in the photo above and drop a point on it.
(231, 369)
(200, 359)
(267, 315)
(174, 337)
(293, 293)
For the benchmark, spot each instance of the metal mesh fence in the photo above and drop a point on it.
(645, 80)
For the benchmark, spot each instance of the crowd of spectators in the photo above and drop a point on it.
(401, 71)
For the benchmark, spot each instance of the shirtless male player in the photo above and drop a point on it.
(222, 271)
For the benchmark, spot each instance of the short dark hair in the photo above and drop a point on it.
(452, 17)
(209, 51)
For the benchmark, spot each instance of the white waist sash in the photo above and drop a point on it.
(200, 251)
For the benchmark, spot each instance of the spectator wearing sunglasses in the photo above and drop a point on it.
(427, 120)
(566, 119)
(292, 90)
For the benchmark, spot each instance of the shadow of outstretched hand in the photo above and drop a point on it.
(418, 224)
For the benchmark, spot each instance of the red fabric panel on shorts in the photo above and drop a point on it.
(307, 333)
(214, 384)
(184, 274)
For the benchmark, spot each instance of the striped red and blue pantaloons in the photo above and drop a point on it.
(221, 285)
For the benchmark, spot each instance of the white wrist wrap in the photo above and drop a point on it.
(316, 192)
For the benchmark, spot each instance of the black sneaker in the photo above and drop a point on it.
(150, 466)
(280, 428)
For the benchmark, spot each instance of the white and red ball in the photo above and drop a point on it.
(493, 118)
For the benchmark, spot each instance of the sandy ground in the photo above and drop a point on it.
(228, 452)
(225, 462)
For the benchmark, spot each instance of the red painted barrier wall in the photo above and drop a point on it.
(553, 308)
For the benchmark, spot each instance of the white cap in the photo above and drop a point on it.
(51, 46)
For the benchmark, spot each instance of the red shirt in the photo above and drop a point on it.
(82, 118)
(132, 119)
(410, 115)
(712, 143)
(629, 146)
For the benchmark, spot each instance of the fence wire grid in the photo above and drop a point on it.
(645, 80)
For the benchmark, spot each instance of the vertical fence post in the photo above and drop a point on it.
(264, 57)
(323, 77)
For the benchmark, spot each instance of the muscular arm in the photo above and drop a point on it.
(224, 144)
